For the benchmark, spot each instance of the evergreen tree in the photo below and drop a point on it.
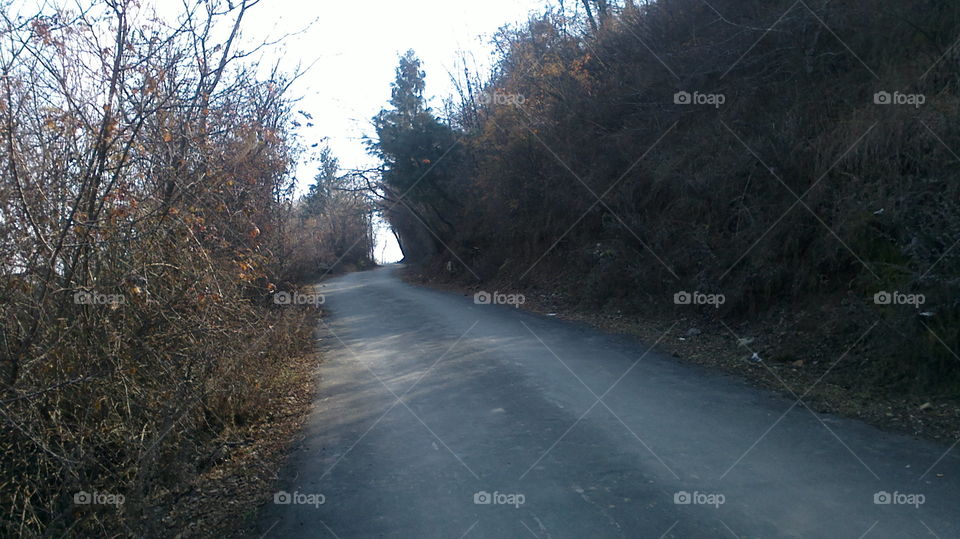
(417, 150)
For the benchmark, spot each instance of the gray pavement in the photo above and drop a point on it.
(429, 406)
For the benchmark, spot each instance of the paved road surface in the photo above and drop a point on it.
(428, 401)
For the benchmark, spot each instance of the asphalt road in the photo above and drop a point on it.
(430, 405)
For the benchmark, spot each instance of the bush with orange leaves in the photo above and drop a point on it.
(145, 177)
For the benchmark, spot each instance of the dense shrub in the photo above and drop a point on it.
(798, 186)
(146, 190)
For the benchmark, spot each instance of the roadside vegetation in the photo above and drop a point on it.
(797, 160)
(148, 224)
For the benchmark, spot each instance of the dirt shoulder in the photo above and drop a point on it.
(223, 501)
(824, 374)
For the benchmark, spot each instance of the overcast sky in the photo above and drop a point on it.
(355, 46)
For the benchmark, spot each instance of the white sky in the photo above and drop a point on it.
(356, 46)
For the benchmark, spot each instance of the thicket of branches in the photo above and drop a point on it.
(799, 188)
(145, 188)
(332, 226)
